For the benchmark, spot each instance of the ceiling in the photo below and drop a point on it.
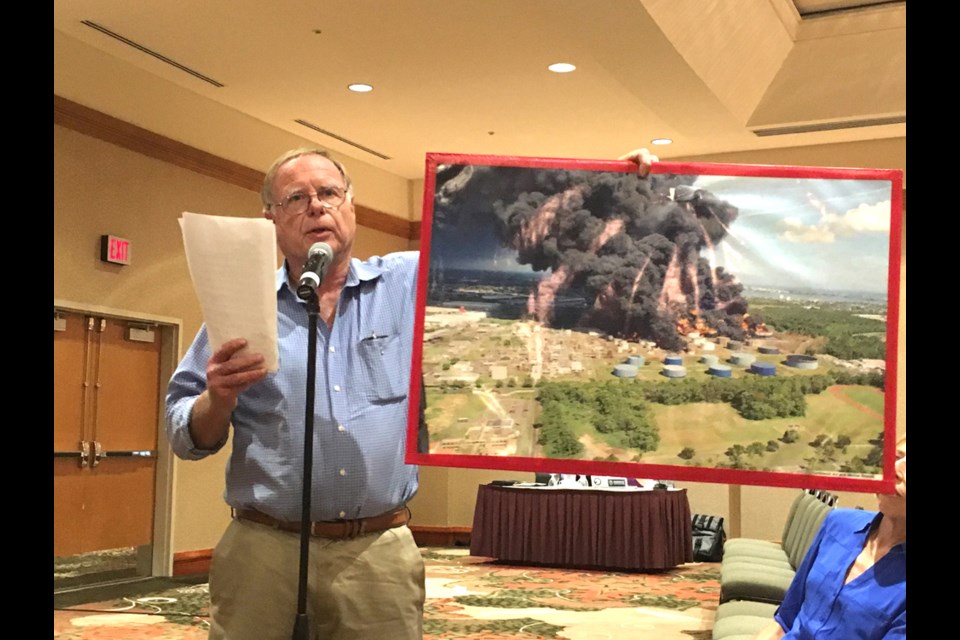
(461, 76)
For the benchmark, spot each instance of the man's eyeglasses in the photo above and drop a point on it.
(299, 201)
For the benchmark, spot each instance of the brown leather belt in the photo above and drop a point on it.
(332, 529)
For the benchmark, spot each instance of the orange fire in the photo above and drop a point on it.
(686, 326)
(756, 329)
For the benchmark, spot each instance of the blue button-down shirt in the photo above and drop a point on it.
(360, 404)
(818, 605)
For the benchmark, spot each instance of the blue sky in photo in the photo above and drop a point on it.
(806, 233)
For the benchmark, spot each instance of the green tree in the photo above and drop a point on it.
(819, 440)
(755, 448)
(735, 454)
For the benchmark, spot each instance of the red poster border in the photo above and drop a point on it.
(669, 472)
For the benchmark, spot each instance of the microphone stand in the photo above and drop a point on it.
(301, 627)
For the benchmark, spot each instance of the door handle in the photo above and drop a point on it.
(97, 454)
(84, 453)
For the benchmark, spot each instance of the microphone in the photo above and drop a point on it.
(318, 259)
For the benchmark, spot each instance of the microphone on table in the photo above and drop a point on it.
(318, 259)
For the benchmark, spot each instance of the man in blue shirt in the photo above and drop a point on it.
(366, 575)
(852, 584)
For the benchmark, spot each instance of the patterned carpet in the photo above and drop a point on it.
(468, 598)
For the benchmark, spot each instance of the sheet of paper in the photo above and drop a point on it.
(233, 264)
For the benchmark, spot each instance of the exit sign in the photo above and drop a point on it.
(114, 249)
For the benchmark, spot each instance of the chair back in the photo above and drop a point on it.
(799, 521)
(791, 515)
(817, 516)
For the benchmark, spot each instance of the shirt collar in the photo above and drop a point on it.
(865, 529)
(362, 272)
(359, 272)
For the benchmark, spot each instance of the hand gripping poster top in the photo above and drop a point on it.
(711, 322)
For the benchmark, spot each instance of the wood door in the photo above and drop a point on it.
(106, 404)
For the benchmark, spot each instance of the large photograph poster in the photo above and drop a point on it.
(715, 323)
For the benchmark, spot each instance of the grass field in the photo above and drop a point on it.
(710, 429)
(450, 415)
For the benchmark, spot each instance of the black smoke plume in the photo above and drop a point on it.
(631, 247)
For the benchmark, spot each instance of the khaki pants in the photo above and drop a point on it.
(371, 587)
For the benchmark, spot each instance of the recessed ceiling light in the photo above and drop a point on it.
(359, 87)
(561, 67)
(661, 141)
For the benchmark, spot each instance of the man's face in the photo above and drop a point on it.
(296, 233)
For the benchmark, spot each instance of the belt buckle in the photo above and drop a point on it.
(354, 528)
(348, 529)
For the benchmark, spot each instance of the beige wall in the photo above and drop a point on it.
(100, 188)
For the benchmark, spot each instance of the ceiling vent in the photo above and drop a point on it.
(150, 52)
(310, 125)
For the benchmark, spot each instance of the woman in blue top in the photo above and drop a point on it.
(852, 584)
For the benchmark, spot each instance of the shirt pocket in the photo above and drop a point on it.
(384, 371)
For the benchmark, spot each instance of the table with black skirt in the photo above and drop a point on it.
(621, 529)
